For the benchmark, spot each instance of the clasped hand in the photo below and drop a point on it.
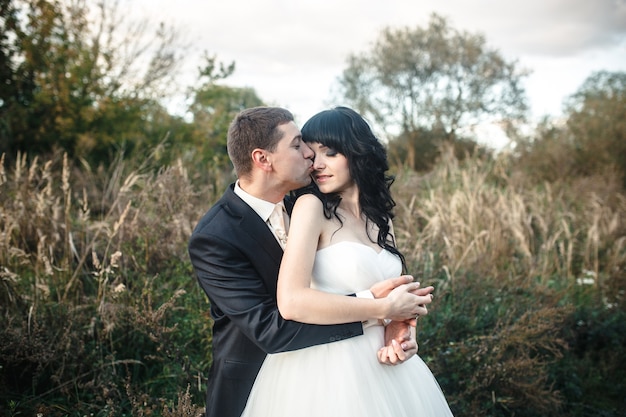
(408, 302)
(405, 298)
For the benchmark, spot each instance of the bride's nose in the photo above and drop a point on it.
(318, 163)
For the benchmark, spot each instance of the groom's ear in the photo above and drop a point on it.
(260, 159)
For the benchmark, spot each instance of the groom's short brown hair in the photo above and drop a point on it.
(253, 128)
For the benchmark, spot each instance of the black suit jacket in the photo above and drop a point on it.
(236, 259)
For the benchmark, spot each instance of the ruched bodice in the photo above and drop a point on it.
(347, 267)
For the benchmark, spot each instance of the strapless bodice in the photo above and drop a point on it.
(347, 267)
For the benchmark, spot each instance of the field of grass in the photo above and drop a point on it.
(101, 314)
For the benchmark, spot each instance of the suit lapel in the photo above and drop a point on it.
(250, 224)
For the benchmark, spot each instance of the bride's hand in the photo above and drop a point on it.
(399, 345)
(383, 288)
(404, 304)
(424, 291)
(397, 353)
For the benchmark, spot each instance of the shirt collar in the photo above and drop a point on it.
(261, 207)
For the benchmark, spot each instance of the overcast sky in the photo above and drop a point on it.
(291, 52)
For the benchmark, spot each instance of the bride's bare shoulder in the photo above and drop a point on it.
(308, 201)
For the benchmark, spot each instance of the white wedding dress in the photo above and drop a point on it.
(345, 378)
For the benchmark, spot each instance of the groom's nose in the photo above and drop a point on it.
(307, 151)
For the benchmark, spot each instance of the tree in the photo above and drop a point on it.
(214, 106)
(434, 79)
(597, 123)
(589, 145)
(78, 78)
(18, 84)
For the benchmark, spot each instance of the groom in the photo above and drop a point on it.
(236, 257)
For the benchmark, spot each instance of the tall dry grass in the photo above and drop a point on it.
(94, 277)
(102, 314)
(477, 216)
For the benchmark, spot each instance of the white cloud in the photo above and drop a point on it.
(292, 51)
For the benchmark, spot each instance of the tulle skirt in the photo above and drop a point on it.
(345, 379)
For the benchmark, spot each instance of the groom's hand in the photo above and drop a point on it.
(399, 346)
(383, 288)
(426, 291)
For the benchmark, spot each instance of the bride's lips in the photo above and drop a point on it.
(321, 178)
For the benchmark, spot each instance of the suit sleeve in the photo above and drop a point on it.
(236, 284)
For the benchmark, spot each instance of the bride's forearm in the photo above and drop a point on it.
(311, 306)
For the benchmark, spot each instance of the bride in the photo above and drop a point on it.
(341, 241)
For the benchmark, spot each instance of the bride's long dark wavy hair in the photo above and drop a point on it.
(345, 131)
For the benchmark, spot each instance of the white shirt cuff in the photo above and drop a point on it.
(367, 294)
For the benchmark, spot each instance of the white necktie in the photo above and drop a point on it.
(277, 221)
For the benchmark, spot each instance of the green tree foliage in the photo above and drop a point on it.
(597, 123)
(546, 155)
(213, 108)
(17, 83)
(590, 143)
(428, 84)
(76, 78)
